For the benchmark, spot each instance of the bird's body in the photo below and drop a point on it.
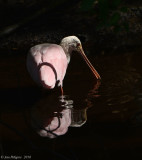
(47, 63)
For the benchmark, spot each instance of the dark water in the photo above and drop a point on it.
(99, 120)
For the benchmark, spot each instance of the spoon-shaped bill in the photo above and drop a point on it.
(88, 62)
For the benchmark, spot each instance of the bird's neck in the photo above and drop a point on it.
(68, 51)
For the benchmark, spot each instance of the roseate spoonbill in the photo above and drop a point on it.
(47, 63)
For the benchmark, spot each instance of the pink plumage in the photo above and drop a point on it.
(56, 59)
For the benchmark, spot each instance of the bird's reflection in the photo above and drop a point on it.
(54, 119)
(53, 114)
(78, 117)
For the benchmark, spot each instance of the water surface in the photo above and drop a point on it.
(112, 109)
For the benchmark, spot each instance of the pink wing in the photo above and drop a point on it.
(54, 55)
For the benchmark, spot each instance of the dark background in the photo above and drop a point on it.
(111, 34)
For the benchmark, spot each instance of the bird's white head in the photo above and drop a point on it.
(72, 43)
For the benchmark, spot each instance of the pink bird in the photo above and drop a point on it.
(47, 63)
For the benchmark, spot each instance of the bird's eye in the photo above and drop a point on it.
(78, 44)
